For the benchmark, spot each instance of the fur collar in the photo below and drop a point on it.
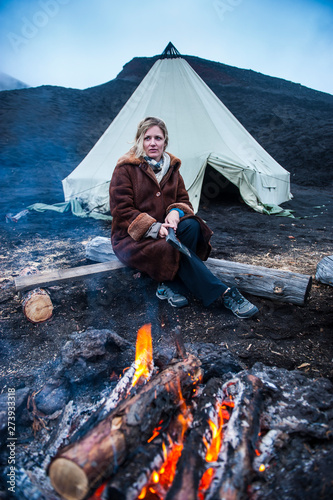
(130, 158)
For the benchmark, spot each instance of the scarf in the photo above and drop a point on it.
(161, 167)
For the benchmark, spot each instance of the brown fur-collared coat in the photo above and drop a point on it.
(136, 201)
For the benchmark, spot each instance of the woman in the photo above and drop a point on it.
(147, 197)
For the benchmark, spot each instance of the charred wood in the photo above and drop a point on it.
(192, 463)
(179, 342)
(118, 394)
(234, 469)
(129, 482)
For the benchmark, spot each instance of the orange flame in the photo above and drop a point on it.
(160, 481)
(143, 354)
(213, 449)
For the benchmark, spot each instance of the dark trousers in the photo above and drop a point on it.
(192, 272)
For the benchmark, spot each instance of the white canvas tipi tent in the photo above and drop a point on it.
(202, 131)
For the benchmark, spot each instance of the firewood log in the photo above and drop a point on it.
(234, 470)
(36, 304)
(324, 271)
(275, 284)
(83, 465)
(192, 463)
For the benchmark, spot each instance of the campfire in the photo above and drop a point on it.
(182, 425)
(167, 435)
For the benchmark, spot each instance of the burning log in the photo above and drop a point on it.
(36, 304)
(83, 465)
(193, 460)
(128, 483)
(146, 464)
(234, 465)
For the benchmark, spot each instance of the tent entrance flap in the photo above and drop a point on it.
(243, 178)
(217, 188)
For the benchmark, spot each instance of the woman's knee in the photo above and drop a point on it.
(188, 232)
(188, 225)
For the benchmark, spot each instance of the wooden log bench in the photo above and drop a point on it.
(275, 284)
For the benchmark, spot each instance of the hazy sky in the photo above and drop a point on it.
(82, 43)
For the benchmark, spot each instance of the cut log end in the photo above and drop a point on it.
(37, 306)
(68, 479)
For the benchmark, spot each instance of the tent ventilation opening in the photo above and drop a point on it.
(170, 52)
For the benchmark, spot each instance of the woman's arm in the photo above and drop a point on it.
(182, 201)
(122, 206)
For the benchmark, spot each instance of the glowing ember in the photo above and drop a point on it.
(205, 482)
(262, 468)
(143, 354)
(98, 492)
(155, 477)
(143, 493)
(156, 432)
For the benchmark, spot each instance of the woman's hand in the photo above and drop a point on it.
(163, 232)
(172, 219)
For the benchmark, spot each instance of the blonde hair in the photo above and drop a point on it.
(144, 125)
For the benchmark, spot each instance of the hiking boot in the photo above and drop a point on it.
(234, 300)
(163, 292)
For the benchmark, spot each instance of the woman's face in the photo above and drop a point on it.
(153, 143)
